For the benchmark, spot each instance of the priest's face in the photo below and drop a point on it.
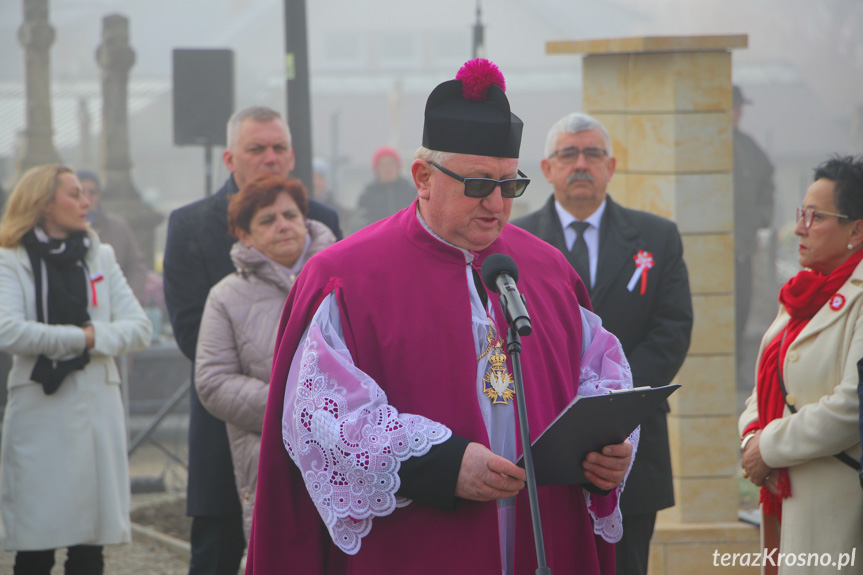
(469, 223)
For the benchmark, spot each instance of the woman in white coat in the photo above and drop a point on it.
(799, 429)
(238, 329)
(65, 311)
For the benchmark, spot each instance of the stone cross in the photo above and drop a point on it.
(115, 57)
(36, 36)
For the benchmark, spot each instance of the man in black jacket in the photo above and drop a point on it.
(197, 256)
(632, 263)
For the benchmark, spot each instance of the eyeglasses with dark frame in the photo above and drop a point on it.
(808, 215)
(483, 187)
(570, 154)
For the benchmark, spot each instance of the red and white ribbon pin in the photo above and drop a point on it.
(837, 301)
(94, 279)
(643, 262)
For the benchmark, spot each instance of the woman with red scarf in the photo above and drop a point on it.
(799, 429)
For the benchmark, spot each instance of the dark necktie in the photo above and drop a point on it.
(580, 258)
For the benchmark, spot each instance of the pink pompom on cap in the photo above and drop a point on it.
(477, 76)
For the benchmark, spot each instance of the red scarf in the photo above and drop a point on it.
(802, 296)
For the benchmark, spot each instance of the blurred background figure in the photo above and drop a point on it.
(321, 182)
(114, 230)
(389, 192)
(65, 311)
(753, 210)
(799, 430)
(324, 193)
(238, 328)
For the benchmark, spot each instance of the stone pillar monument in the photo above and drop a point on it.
(115, 57)
(666, 102)
(36, 36)
(85, 141)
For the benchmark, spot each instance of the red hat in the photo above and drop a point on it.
(385, 151)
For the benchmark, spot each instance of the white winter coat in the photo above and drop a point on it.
(825, 511)
(234, 357)
(64, 474)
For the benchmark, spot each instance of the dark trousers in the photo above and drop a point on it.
(217, 545)
(80, 560)
(633, 549)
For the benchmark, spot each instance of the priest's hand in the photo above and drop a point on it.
(485, 476)
(606, 470)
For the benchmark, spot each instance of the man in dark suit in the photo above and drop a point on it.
(632, 263)
(196, 258)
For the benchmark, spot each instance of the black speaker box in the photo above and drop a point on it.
(203, 96)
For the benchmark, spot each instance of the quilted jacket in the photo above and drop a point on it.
(235, 352)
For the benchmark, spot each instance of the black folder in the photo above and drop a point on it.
(589, 424)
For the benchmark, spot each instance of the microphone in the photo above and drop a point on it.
(500, 274)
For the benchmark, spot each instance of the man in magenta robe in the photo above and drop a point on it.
(390, 431)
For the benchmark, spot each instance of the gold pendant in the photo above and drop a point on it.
(497, 383)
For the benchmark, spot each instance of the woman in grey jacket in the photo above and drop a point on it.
(65, 311)
(238, 328)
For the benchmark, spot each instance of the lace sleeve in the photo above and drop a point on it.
(343, 435)
(604, 368)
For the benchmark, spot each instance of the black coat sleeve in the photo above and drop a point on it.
(186, 282)
(327, 216)
(431, 479)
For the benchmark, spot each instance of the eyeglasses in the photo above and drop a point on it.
(483, 187)
(570, 154)
(809, 214)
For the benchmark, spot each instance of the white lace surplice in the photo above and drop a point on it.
(347, 441)
(604, 368)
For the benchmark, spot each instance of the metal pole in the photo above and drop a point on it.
(478, 34)
(157, 419)
(208, 169)
(335, 157)
(513, 346)
(299, 99)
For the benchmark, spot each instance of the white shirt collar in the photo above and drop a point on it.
(567, 218)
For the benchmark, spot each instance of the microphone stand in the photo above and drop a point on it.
(513, 346)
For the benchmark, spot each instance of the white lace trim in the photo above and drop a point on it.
(346, 440)
(604, 367)
(610, 527)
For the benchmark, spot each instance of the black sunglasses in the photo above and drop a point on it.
(483, 187)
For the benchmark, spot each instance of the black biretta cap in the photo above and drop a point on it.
(471, 115)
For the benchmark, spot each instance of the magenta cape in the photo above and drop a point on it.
(406, 316)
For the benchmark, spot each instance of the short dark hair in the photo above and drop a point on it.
(91, 177)
(846, 172)
(260, 193)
